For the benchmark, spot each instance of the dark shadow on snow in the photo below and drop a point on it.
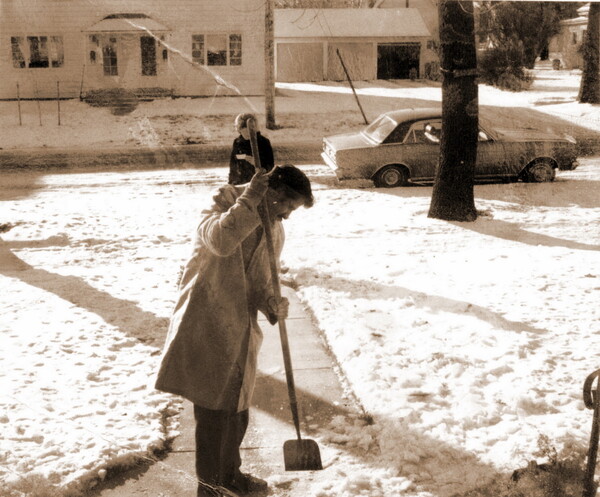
(362, 289)
(513, 232)
(125, 315)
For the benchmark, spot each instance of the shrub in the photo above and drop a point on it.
(503, 66)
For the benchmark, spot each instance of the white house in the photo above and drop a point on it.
(178, 47)
(373, 43)
(566, 45)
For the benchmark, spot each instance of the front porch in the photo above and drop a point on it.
(127, 51)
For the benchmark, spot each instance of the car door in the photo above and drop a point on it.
(494, 158)
(422, 148)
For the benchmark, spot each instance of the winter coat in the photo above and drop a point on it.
(240, 170)
(211, 350)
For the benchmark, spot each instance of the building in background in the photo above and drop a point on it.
(377, 43)
(152, 47)
(566, 45)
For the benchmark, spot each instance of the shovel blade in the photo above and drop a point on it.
(301, 455)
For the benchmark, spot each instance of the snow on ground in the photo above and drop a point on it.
(464, 341)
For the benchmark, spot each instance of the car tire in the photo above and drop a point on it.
(391, 176)
(541, 171)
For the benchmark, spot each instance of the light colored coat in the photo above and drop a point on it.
(211, 351)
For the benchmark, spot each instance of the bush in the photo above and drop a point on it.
(503, 66)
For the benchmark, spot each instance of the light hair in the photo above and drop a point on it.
(241, 120)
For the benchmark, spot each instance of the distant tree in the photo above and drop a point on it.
(589, 89)
(452, 198)
(531, 23)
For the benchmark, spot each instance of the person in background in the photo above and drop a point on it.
(241, 162)
(211, 350)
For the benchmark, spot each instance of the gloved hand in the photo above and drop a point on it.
(279, 308)
(256, 189)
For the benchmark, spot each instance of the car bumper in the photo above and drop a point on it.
(329, 161)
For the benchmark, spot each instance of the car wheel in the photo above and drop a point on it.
(391, 176)
(540, 172)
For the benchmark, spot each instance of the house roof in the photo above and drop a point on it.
(116, 23)
(582, 12)
(345, 23)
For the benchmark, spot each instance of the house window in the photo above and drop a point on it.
(148, 47)
(217, 49)
(574, 41)
(235, 50)
(37, 51)
(109, 57)
(198, 49)
(16, 42)
(57, 53)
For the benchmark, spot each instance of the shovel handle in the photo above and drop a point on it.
(285, 346)
(591, 399)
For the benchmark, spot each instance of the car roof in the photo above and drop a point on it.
(412, 114)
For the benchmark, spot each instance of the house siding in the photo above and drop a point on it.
(184, 18)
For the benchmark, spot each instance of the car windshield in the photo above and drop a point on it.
(379, 129)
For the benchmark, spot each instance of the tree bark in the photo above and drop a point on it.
(589, 89)
(269, 66)
(452, 198)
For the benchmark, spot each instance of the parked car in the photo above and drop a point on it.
(402, 146)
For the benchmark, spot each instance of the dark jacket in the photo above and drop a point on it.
(241, 171)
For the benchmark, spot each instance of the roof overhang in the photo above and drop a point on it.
(127, 23)
(349, 23)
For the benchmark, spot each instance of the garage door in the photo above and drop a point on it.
(357, 57)
(395, 60)
(299, 62)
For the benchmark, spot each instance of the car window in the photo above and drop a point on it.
(397, 136)
(380, 129)
(425, 132)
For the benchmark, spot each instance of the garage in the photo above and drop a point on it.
(299, 62)
(373, 43)
(395, 60)
(357, 57)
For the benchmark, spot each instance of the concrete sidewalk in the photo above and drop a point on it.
(202, 155)
(320, 398)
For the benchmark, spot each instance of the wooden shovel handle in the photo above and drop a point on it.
(285, 346)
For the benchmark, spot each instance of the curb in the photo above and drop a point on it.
(196, 156)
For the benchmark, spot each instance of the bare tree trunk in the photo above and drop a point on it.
(269, 66)
(452, 197)
(589, 89)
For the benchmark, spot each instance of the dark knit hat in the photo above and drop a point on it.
(293, 181)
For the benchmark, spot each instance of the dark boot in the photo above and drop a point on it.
(245, 483)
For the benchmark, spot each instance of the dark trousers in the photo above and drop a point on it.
(219, 435)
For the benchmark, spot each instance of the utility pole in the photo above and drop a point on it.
(269, 65)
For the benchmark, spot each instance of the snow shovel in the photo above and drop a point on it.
(591, 399)
(301, 454)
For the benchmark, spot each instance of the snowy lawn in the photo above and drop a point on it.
(304, 112)
(464, 341)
